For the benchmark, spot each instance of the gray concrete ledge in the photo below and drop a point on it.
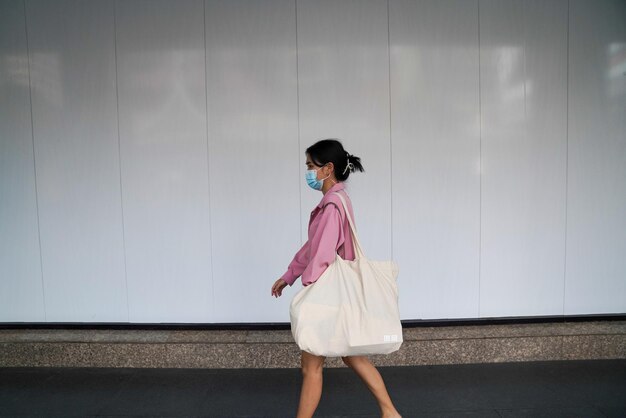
(277, 349)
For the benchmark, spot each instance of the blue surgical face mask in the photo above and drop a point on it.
(312, 181)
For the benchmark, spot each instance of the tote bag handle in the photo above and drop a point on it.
(358, 250)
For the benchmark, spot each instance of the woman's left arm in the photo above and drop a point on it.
(324, 243)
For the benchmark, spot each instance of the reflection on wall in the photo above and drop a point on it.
(616, 69)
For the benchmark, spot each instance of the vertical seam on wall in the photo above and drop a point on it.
(480, 161)
(206, 119)
(566, 150)
(390, 141)
(298, 118)
(119, 154)
(524, 33)
(525, 124)
(32, 132)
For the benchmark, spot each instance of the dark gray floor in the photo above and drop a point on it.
(529, 389)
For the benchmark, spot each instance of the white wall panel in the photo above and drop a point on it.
(343, 73)
(436, 155)
(596, 183)
(152, 153)
(523, 106)
(253, 154)
(21, 287)
(162, 108)
(72, 62)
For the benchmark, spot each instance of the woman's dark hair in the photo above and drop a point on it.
(331, 151)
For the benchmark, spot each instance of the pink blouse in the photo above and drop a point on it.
(329, 234)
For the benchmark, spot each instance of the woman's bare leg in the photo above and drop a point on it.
(312, 370)
(374, 381)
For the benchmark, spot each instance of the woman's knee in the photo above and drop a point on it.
(312, 364)
(351, 361)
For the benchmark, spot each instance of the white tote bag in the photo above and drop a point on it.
(352, 308)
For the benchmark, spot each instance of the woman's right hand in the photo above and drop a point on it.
(278, 287)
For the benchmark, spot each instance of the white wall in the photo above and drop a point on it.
(523, 108)
(595, 264)
(152, 153)
(435, 133)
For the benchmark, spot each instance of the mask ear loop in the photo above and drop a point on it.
(327, 176)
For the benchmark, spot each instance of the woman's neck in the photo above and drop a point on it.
(328, 184)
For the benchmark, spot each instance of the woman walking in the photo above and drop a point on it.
(328, 166)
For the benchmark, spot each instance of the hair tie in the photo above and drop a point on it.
(348, 165)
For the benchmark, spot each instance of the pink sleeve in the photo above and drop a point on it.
(328, 236)
(297, 265)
